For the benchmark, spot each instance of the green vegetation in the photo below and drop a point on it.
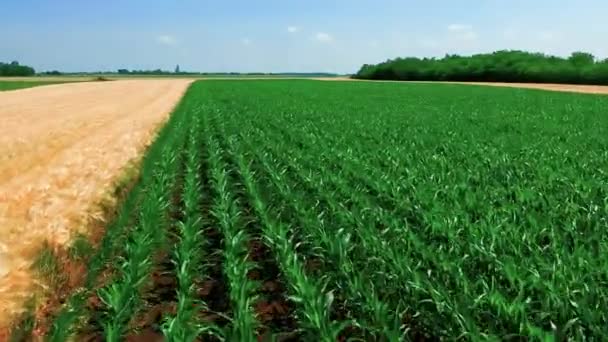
(80, 247)
(36, 82)
(47, 265)
(318, 211)
(27, 321)
(501, 66)
(15, 69)
(14, 85)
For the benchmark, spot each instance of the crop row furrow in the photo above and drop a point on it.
(310, 294)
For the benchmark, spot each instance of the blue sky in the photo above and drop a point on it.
(287, 35)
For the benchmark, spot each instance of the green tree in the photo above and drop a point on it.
(15, 69)
(581, 58)
(499, 66)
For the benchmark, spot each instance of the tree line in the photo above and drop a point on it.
(15, 69)
(499, 66)
(196, 73)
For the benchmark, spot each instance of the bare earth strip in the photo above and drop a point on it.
(61, 148)
(574, 88)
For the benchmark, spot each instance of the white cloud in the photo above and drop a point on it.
(246, 41)
(293, 29)
(324, 37)
(166, 39)
(462, 32)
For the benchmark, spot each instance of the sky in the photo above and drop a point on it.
(287, 35)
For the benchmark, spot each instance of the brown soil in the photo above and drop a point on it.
(273, 309)
(574, 88)
(61, 148)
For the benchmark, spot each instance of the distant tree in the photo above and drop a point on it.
(177, 71)
(15, 69)
(581, 58)
(123, 71)
(499, 66)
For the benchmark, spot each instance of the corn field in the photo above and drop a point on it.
(300, 210)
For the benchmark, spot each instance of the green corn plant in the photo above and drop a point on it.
(371, 237)
(62, 326)
(439, 211)
(121, 297)
(188, 253)
(337, 248)
(236, 266)
(419, 245)
(311, 295)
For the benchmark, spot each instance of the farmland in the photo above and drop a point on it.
(319, 211)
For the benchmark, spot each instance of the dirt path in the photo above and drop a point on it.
(61, 147)
(574, 88)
